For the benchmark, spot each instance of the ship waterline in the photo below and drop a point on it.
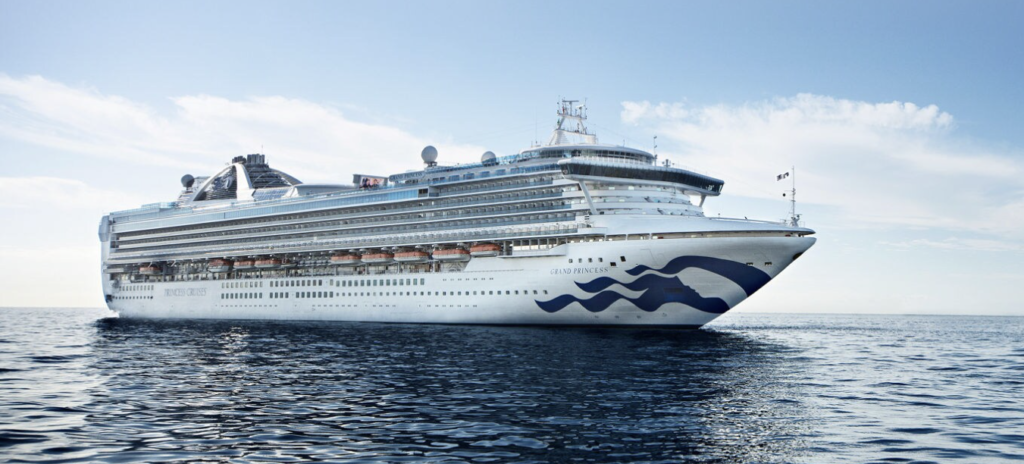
(569, 233)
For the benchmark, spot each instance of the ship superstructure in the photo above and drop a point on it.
(569, 233)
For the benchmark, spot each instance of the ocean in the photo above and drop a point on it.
(79, 386)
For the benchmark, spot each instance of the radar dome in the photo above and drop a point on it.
(187, 180)
(429, 154)
(488, 158)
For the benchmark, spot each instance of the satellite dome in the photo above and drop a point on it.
(187, 180)
(429, 154)
(489, 158)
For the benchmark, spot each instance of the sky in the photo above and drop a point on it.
(902, 119)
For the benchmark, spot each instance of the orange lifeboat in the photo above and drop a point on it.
(151, 269)
(412, 256)
(244, 264)
(345, 259)
(481, 250)
(452, 254)
(268, 263)
(220, 265)
(379, 257)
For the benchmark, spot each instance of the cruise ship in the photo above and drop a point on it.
(571, 232)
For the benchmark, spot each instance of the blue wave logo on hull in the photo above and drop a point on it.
(658, 290)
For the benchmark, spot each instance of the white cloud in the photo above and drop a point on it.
(633, 112)
(954, 243)
(891, 164)
(59, 194)
(314, 142)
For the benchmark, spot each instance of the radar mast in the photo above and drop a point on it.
(571, 126)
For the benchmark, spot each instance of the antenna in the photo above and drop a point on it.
(794, 219)
(655, 150)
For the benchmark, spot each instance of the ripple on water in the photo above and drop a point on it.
(751, 388)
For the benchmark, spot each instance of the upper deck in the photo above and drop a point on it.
(554, 190)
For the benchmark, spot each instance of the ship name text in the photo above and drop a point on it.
(579, 270)
(185, 292)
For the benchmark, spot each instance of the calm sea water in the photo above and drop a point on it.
(78, 386)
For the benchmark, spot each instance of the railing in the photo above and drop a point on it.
(294, 206)
(248, 232)
(756, 221)
(448, 204)
(432, 238)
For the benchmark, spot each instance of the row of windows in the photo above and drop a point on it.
(276, 295)
(412, 228)
(347, 212)
(296, 283)
(240, 296)
(320, 282)
(476, 187)
(134, 297)
(379, 282)
(242, 284)
(351, 222)
(448, 293)
(591, 260)
(330, 294)
(136, 288)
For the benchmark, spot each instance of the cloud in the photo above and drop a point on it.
(878, 165)
(312, 141)
(954, 243)
(634, 112)
(58, 194)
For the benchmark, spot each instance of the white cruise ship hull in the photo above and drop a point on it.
(679, 282)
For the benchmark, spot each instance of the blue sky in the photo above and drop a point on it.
(903, 119)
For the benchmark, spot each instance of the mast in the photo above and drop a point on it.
(794, 219)
(570, 112)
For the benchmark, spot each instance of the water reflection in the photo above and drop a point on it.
(178, 390)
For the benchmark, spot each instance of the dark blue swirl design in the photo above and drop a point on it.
(749, 278)
(659, 290)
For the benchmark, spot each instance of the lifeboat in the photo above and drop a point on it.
(268, 263)
(482, 250)
(452, 254)
(220, 265)
(244, 264)
(345, 259)
(412, 256)
(380, 257)
(149, 270)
